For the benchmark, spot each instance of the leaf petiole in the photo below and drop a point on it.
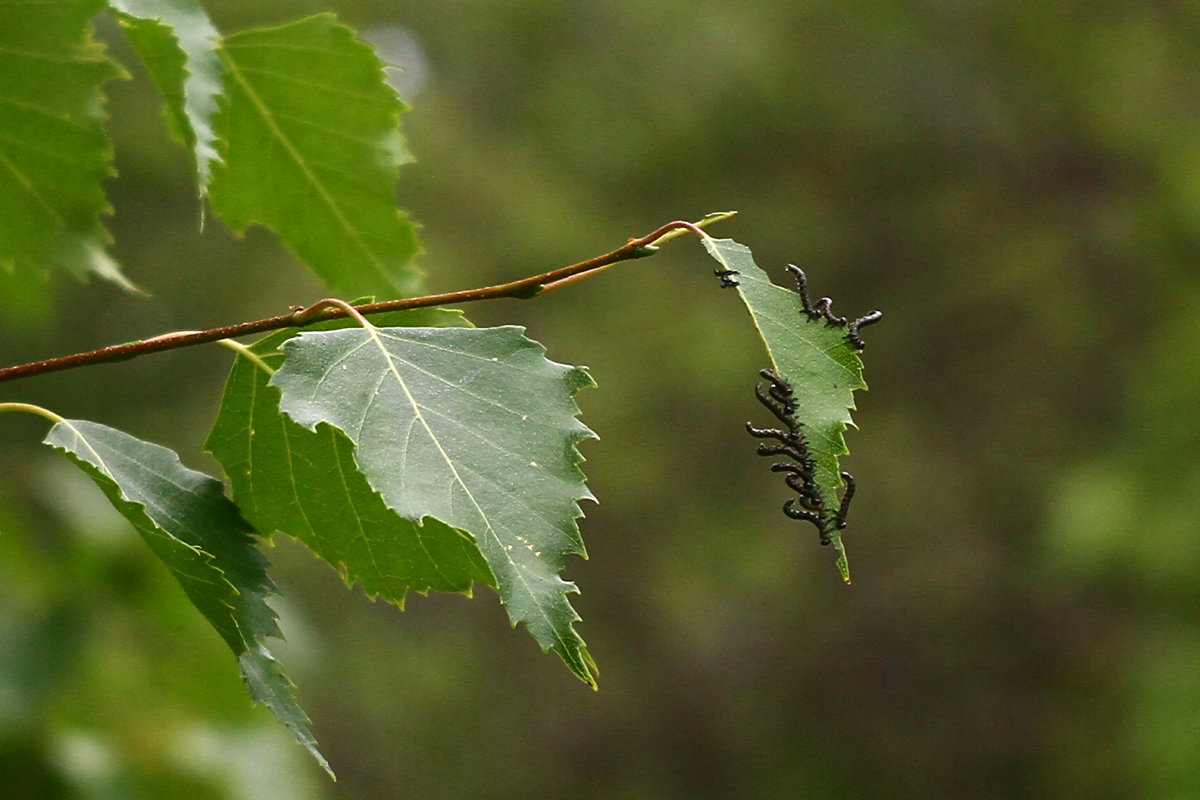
(248, 353)
(29, 408)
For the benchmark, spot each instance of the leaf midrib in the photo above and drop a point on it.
(517, 569)
(352, 232)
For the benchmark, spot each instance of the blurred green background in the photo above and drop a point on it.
(1015, 184)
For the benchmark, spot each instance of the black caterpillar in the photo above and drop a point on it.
(824, 308)
(800, 470)
(726, 276)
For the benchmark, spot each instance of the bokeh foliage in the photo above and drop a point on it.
(1014, 184)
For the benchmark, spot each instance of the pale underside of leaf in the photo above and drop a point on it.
(309, 144)
(306, 484)
(187, 521)
(472, 427)
(178, 45)
(54, 152)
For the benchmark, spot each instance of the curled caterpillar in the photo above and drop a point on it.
(847, 496)
(861, 322)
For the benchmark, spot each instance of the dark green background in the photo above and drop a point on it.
(1015, 184)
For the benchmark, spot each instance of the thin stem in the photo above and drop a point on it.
(317, 308)
(29, 408)
(329, 308)
(248, 354)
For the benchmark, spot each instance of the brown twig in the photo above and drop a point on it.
(333, 309)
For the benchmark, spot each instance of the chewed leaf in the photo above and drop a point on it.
(814, 357)
(471, 427)
(187, 521)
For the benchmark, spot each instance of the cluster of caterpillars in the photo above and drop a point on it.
(824, 308)
(726, 276)
(800, 469)
(789, 442)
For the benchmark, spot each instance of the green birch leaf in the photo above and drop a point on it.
(54, 152)
(310, 145)
(472, 427)
(178, 44)
(187, 521)
(814, 355)
(306, 484)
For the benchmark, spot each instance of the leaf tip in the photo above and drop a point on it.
(842, 564)
(715, 216)
(585, 669)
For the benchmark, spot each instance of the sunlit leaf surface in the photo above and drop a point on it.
(54, 153)
(309, 147)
